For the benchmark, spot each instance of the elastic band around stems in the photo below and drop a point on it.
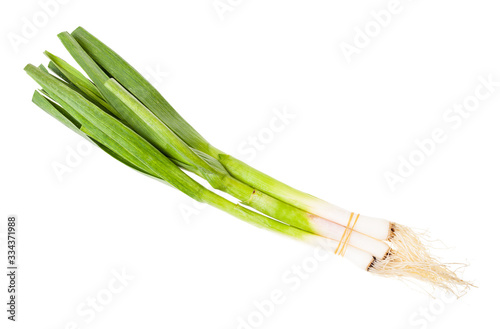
(346, 236)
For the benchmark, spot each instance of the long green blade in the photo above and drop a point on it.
(133, 81)
(114, 149)
(80, 82)
(96, 74)
(152, 129)
(99, 77)
(91, 115)
(57, 112)
(100, 139)
(73, 75)
(53, 67)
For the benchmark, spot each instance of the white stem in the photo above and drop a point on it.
(375, 227)
(361, 241)
(360, 258)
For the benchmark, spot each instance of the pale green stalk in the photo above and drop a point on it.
(271, 186)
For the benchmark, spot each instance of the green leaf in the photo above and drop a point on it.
(136, 84)
(92, 116)
(80, 81)
(56, 111)
(96, 74)
(145, 123)
(115, 150)
(53, 67)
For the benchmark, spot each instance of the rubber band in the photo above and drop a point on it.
(343, 235)
(346, 236)
(346, 243)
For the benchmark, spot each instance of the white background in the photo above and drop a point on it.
(227, 75)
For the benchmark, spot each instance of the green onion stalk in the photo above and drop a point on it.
(118, 110)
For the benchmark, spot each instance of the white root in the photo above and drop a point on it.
(409, 258)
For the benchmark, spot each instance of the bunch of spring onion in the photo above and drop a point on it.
(125, 116)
